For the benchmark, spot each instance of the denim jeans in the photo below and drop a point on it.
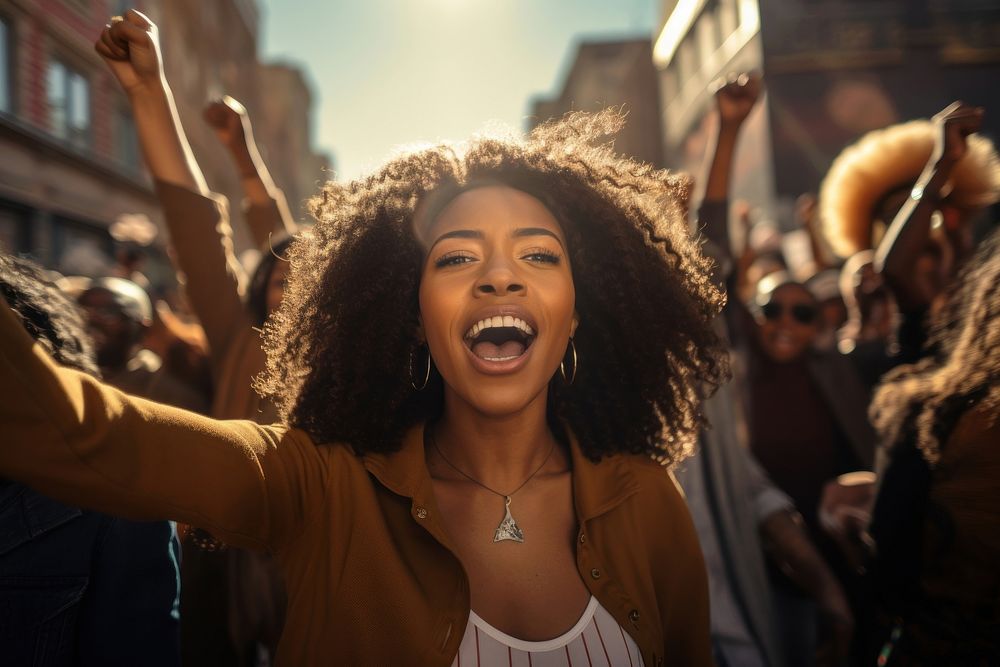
(82, 588)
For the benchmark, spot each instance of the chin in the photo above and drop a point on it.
(785, 357)
(498, 402)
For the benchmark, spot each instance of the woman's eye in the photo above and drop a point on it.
(453, 259)
(544, 256)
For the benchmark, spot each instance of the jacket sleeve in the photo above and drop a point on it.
(267, 219)
(84, 443)
(202, 240)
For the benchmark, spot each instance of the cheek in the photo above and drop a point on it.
(437, 308)
(807, 334)
(556, 290)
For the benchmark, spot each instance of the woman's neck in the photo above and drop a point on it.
(498, 451)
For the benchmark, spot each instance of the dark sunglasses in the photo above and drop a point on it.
(802, 313)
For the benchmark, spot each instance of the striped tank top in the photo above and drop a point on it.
(595, 641)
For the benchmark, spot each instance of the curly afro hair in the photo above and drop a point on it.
(340, 347)
(884, 161)
(47, 315)
(925, 400)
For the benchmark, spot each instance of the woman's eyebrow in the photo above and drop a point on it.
(536, 231)
(459, 234)
(476, 234)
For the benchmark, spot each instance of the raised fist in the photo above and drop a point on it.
(955, 122)
(130, 46)
(736, 96)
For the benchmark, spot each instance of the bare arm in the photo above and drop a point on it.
(805, 215)
(734, 101)
(909, 232)
(788, 544)
(197, 220)
(266, 210)
(131, 49)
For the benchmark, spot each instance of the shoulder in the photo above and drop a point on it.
(332, 467)
(659, 499)
(974, 442)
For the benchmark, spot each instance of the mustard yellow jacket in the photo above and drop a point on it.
(372, 578)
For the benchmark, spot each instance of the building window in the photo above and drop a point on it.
(728, 21)
(69, 103)
(81, 249)
(6, 93)
(687, 60)
(708, 36)
(126, 140)
(10, 231)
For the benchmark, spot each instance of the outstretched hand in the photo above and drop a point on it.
(954, 123)
(130, 46)
(736, 96)
(845, 511)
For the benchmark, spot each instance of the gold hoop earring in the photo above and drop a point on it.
(562, 365)
(427, 372)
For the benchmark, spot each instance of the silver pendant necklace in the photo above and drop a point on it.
(508, 528)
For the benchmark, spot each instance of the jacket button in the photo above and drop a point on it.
(421, 513)
(634, 616)
(595, 573)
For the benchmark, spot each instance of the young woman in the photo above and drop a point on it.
(486, 355)
(806, 424)
(936, 521)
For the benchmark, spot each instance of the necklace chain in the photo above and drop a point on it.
(430, 435)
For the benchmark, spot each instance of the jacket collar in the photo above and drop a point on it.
(404, 471)
(597, 487)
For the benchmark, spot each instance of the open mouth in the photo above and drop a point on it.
(500, 338)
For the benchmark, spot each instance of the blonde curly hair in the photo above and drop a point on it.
(889, 159)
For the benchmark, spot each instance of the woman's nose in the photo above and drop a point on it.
(498, 279)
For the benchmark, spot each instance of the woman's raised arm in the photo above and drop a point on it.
(84, 443)
(198, 221)
(910, 230)
(264, 209)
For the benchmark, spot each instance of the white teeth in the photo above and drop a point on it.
(499, 321)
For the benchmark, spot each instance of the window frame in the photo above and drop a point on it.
(10, 71)
(79, 137)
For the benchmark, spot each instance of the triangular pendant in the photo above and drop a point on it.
(508, 528)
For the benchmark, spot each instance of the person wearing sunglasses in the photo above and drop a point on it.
(807, 423)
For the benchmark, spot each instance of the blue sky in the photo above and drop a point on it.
(388, 73)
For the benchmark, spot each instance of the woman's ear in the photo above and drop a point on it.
(421, 335)
(573, 326)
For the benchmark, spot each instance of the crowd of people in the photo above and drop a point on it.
(509, 402)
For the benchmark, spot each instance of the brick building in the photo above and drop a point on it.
(71, 163)
(613, 73)
(834, 70)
